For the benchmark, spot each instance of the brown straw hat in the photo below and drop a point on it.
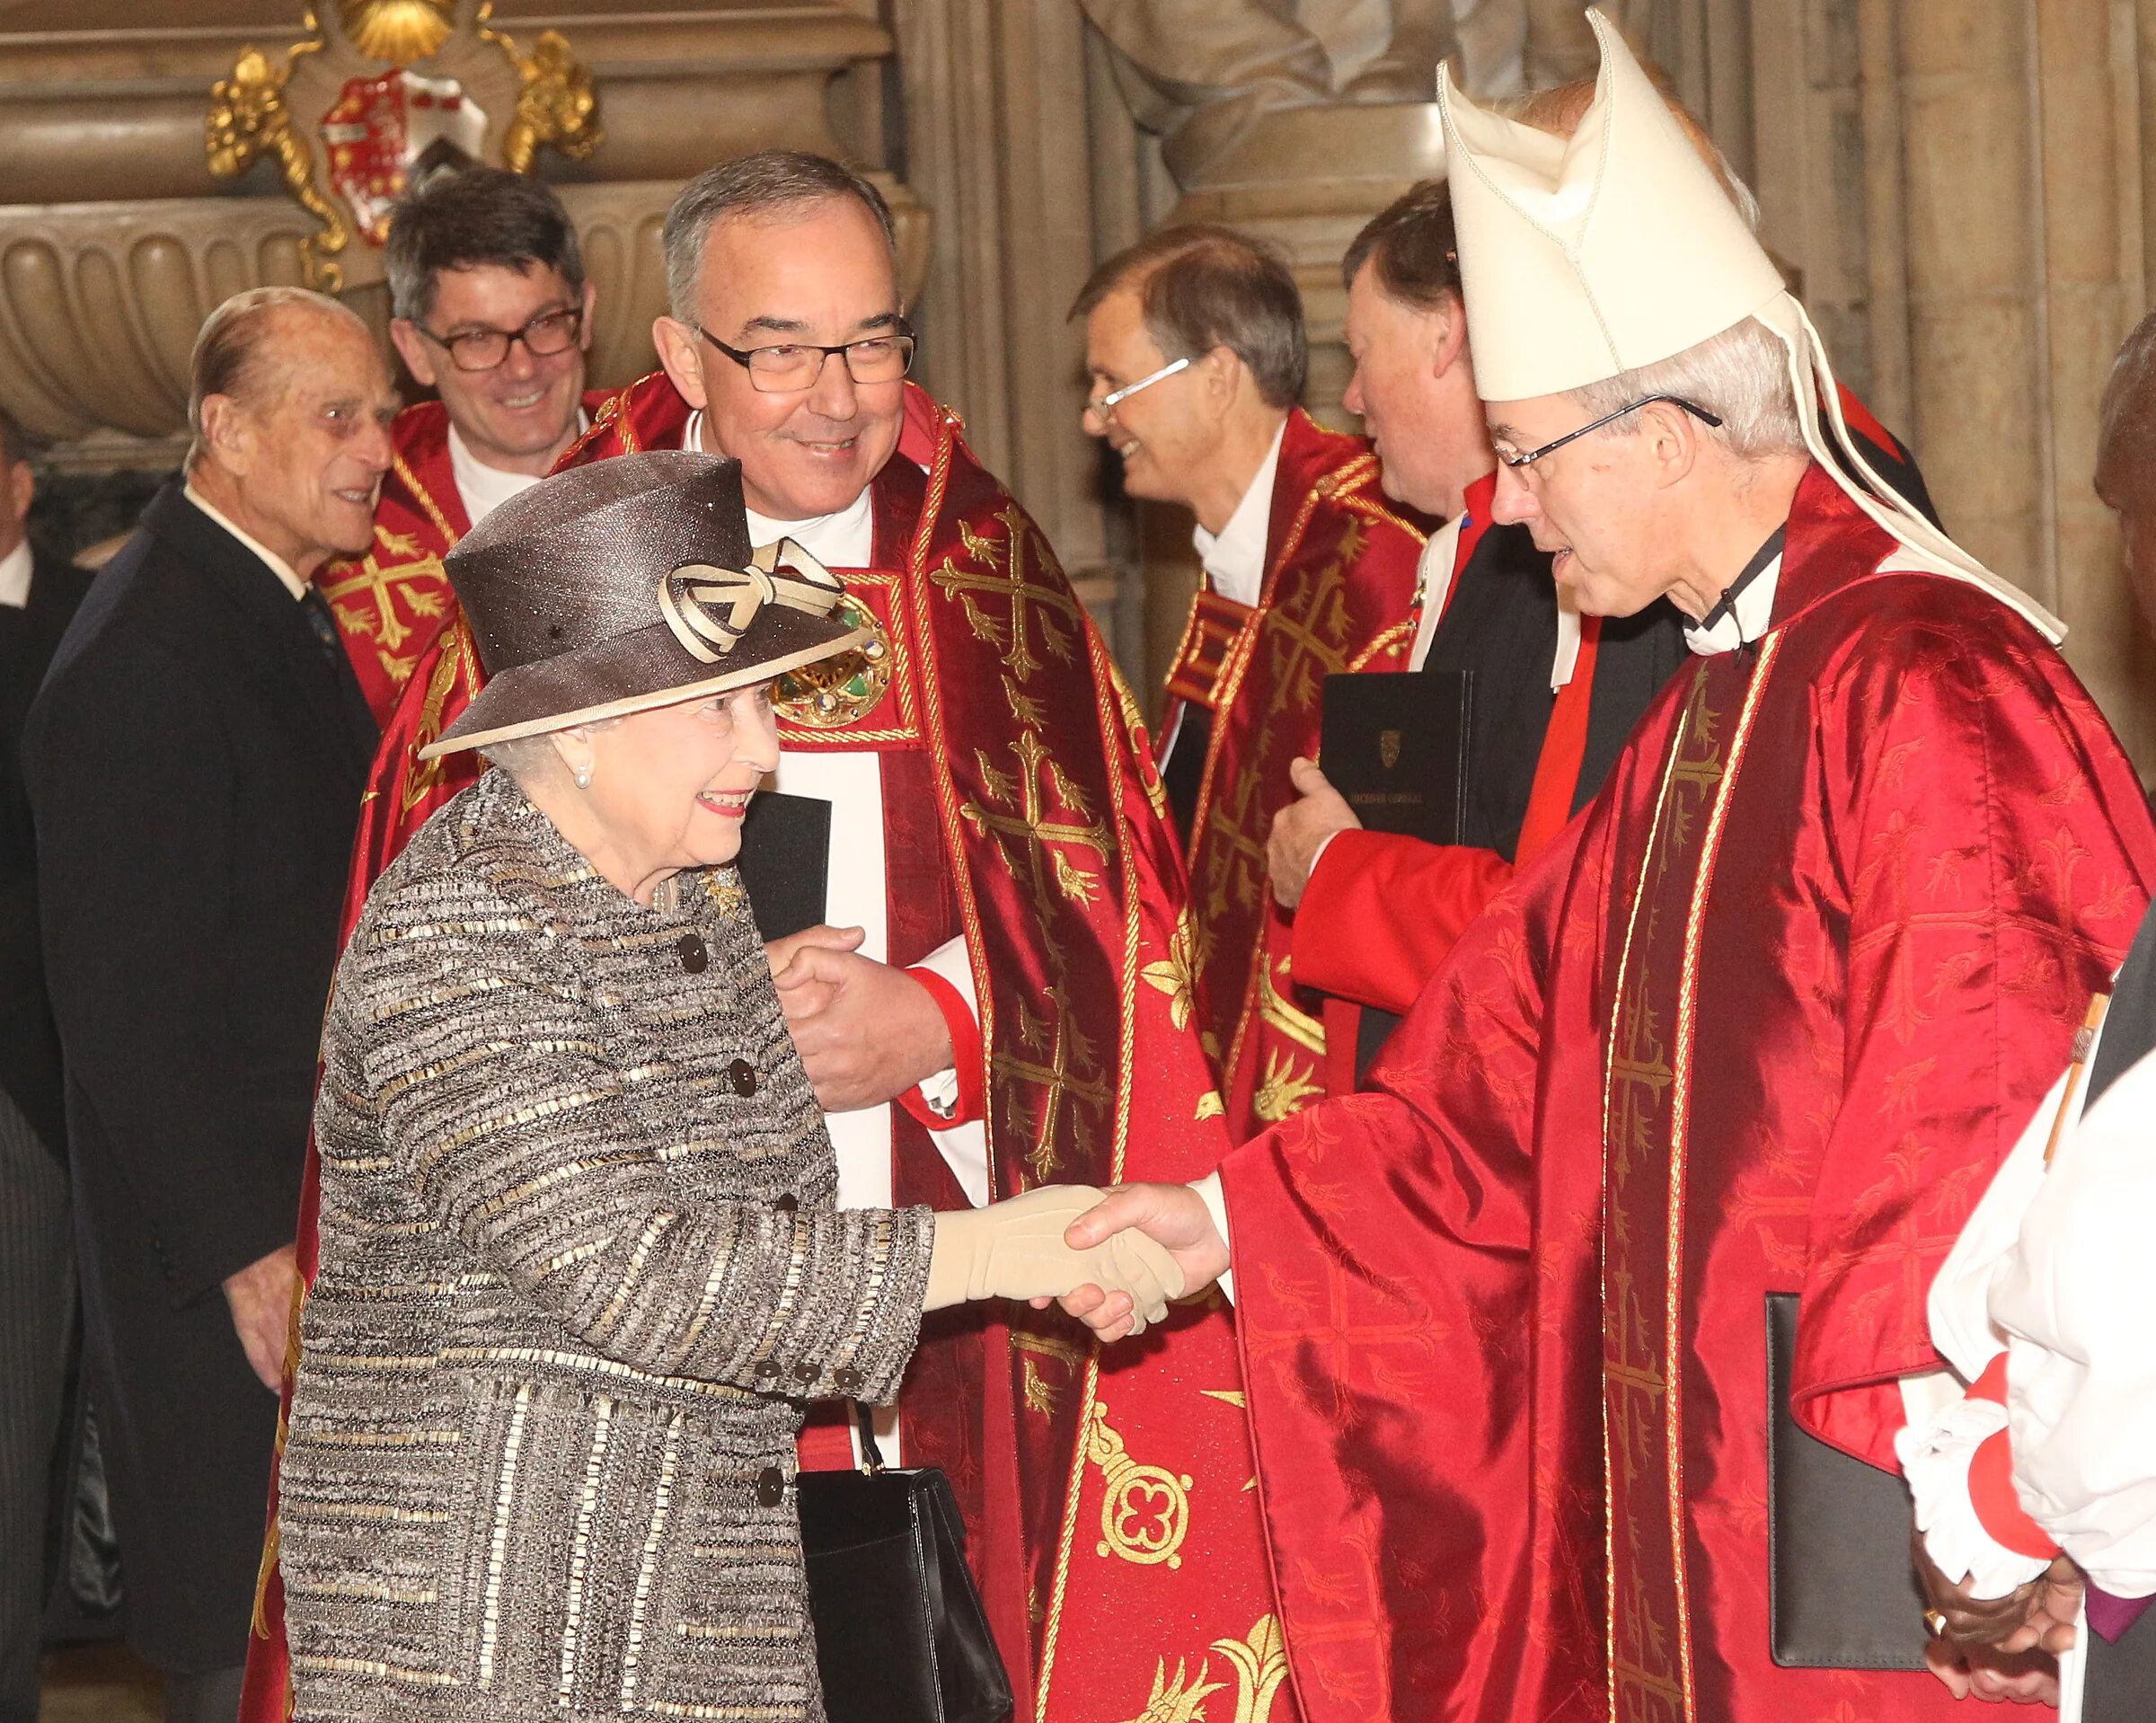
(626, 585)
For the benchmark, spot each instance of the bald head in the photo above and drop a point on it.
(290, 400)
(2126, 459)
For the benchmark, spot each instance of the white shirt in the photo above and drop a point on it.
(855, 894)
(483, 487)
(285, 572)
(1234, 559)
(1745, 621)
(15, 576)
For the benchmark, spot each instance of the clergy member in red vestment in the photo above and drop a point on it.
(1738, 1053)
(996, 834)
(490, 310)
(1555, 694)
(1196, 347)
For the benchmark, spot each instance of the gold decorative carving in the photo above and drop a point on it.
(346, 114)
(1144, 1510)
(558, 105)
(398, 30)
(248, 120)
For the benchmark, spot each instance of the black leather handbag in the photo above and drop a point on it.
(900, 1633)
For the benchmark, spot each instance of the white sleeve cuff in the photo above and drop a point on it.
(1215, 1200)
(1935, 1461)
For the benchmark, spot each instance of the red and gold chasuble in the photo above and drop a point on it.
(1022, 808)
(1764, 1021)
(1338, 594)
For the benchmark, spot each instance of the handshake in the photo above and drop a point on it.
(1112, 1259)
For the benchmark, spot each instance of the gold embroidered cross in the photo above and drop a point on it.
(369, 581)
(1034, 846)
(1010, 634)
(1070, 1073)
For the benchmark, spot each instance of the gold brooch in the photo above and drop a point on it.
(835, 693)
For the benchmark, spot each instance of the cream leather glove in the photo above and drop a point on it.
(1015, 1249)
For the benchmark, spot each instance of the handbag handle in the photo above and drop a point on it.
(864, 1426)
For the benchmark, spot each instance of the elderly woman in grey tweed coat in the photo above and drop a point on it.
(580, 1264)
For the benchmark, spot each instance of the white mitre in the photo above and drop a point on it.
(1616, 248)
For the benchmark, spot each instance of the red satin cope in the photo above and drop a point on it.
(1339, 583)
(1777, 1014)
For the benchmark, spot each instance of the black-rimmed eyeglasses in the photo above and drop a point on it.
(1516, 462)
(791, 367)
(482, 350)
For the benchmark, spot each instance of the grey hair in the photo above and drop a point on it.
(228, 360)
(526, 758)
(1741, 375)
(768, 182)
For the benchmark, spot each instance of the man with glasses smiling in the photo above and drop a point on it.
(490, 310)
(1197, 351)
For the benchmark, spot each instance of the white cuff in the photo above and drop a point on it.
(1316, 856)
(1935, 1463)
(1215, 1200)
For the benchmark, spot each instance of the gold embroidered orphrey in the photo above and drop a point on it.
(1648, 1622)
(265, 111)
(1259, 1660)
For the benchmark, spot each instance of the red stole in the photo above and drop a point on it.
(1762, 1021)
(1339, 581)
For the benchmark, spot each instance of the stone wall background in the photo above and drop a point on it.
(1961, 184)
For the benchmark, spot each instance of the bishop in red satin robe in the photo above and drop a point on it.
(1762, 1021)
(1338, 594)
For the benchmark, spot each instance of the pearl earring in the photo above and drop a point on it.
(584, 776)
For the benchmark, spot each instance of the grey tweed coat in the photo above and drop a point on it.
(580, 1265)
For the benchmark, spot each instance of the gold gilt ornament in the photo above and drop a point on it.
(385, 90)
(836, 692)
(399, 31)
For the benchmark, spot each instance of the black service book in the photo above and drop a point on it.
(785, 862)
(1395, 745)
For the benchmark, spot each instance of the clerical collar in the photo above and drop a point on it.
(1235, 558)
(844, 540)
(286, 575)
(483, 487)
(1741, 614)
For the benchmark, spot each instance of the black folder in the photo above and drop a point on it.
(1842, 1591)
(785, 862)
(1395, 745)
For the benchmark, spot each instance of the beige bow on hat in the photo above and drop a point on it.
(710, 608)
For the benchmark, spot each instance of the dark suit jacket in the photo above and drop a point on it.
(195, 762)
(30, 1047)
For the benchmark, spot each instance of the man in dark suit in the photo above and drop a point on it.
(37, 1262)
(195, 761)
